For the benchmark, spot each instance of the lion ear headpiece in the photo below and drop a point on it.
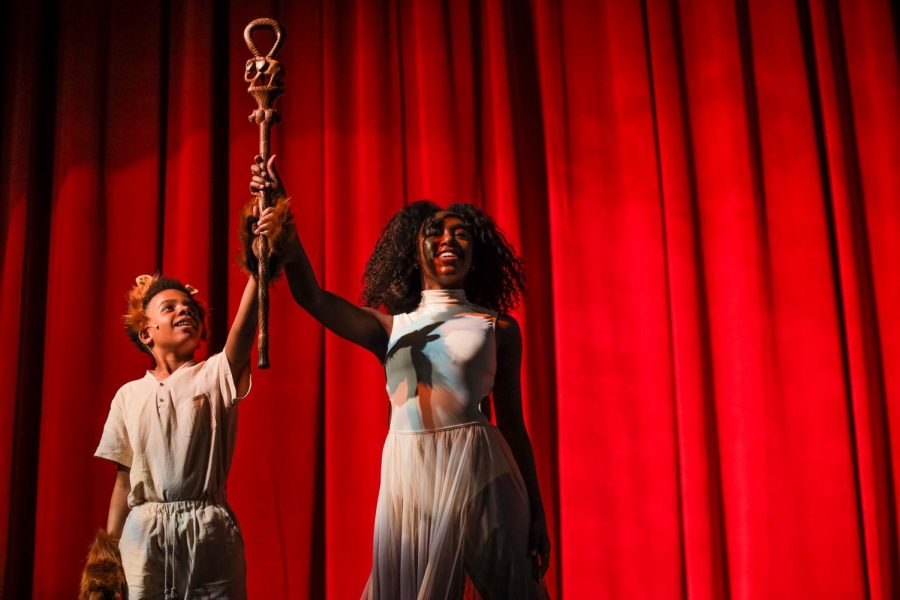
(135, 319)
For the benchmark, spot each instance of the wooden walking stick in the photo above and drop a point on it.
(264, 74)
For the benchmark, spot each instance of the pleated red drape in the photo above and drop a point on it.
(707, 198)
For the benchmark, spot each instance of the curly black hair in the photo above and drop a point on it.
(392, 278)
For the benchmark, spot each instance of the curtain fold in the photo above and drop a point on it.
(706, 198)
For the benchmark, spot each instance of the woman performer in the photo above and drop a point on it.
(459, 498)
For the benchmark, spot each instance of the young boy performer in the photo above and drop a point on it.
(172, 434)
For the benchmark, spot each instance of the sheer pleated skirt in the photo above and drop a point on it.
(452, 505)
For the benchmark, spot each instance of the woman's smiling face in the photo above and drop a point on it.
(445, 251)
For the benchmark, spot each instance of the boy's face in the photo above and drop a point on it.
(173, 323)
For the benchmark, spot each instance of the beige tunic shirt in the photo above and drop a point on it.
(176, 435)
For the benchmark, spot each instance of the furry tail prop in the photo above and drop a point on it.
(103, 577)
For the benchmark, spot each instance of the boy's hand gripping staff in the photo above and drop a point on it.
(264, 74)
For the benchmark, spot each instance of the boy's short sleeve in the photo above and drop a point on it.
(218, 374)
(114, 444)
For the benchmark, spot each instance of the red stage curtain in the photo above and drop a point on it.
(707, 198)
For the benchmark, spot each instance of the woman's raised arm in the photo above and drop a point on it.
(364, 326)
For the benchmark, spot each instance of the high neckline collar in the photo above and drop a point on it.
(441, 297)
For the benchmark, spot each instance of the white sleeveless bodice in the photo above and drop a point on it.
(440, 362)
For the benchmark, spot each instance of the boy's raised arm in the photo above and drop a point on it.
(240, 336)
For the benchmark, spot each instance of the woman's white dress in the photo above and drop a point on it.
(452, 502)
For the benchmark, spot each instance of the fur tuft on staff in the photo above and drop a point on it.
(250, 242)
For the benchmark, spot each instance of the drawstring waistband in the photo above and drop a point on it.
(167, 521)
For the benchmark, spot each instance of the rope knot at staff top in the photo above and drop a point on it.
(256, 24)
